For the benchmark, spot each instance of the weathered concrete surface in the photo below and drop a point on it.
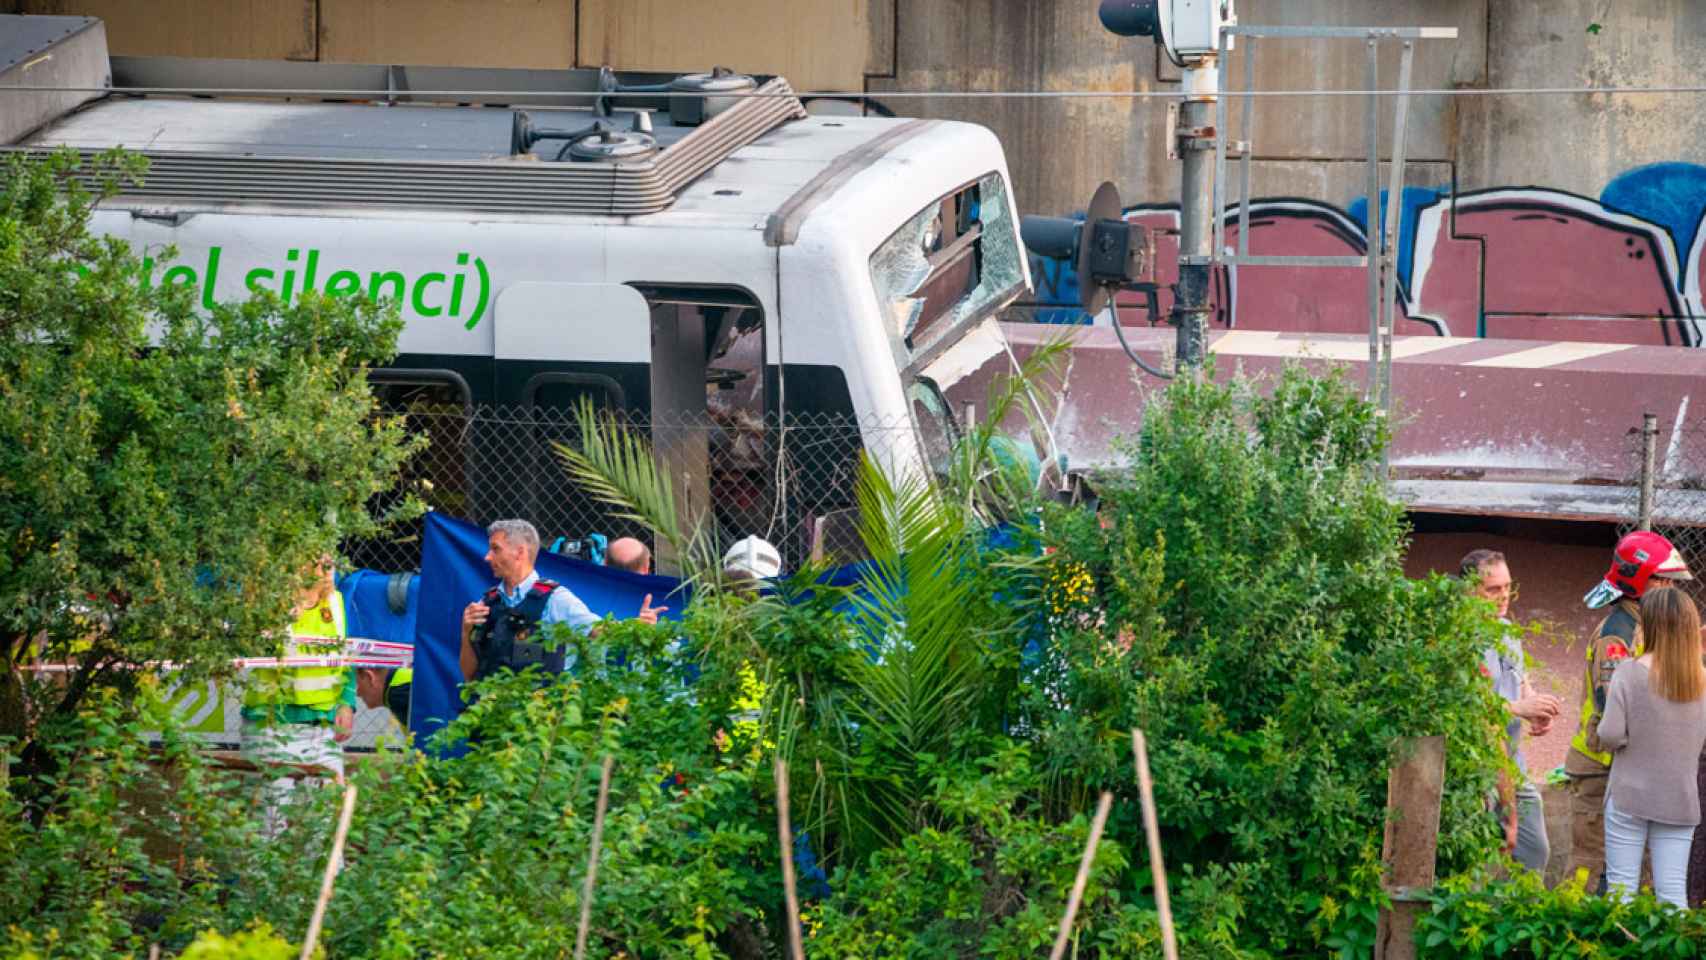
(1334, 126)
(1060, 149)
(1579, 142)
(1335, 181)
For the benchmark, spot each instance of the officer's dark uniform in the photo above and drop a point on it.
(509, 637)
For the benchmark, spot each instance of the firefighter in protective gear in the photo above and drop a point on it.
(746, 567)
(752, 559)
(302, 714)
(1641, 561)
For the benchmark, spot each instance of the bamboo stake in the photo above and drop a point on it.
(333, 864)
(1062, 938)
(1163, 909)
(784, 835)
(592, 858)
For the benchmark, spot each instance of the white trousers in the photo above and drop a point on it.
(289, 743)
(1627, 836)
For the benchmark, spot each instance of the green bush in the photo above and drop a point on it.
(486, 852)
(168, 470)
(122, 843)
(991, 880)
(1522, 920)
(259, 943)
(480, 853)
(1241, 599)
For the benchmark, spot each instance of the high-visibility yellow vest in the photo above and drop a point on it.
(1605, 650)
(313, 687)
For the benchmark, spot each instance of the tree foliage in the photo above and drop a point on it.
(1242, 600)
(167, 473)
(476, 851)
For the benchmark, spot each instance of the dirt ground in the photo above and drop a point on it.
(1552, 567)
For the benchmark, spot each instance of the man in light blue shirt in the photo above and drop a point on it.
(500, 630)
(1524, 815)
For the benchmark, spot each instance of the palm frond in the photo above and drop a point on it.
(920, 604)
(618, 467)
(916, 609)
(976, 480)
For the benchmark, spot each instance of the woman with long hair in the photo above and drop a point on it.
(1655, 725)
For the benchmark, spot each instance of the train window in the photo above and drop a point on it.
(403, 390)
(563, 390)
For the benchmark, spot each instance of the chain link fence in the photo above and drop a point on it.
(789, 480)
(1671, 489)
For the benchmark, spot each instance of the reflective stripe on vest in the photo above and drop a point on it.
(1589, 711)
(316, 687)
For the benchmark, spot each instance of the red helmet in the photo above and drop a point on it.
(1639, 557)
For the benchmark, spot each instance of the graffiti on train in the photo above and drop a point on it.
(1509, 262)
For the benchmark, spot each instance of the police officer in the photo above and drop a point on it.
(1642, 560)
(302, 714)
(501, 629)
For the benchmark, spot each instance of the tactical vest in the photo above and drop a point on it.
(507, 638)
(314, 687)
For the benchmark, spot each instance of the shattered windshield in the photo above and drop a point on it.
(956, 261)
(936, 428)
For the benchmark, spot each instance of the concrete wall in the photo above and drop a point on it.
(249, 29)
(1573, 216)
(1060, 149)
(817, 44)
(1313, 147)
(1580, 142)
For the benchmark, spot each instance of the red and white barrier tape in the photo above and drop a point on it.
(357, 652)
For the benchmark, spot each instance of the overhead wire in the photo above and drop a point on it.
(394, 94)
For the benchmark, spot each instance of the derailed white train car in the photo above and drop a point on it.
(557, 234)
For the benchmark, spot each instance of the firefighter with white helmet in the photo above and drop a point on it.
(1642, 561)
(752, 559)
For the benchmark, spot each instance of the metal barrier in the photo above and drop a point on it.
(1671, 485)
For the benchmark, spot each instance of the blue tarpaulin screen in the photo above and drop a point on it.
(368, 609)
(454, 574)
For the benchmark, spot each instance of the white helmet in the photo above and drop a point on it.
(754, 557)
